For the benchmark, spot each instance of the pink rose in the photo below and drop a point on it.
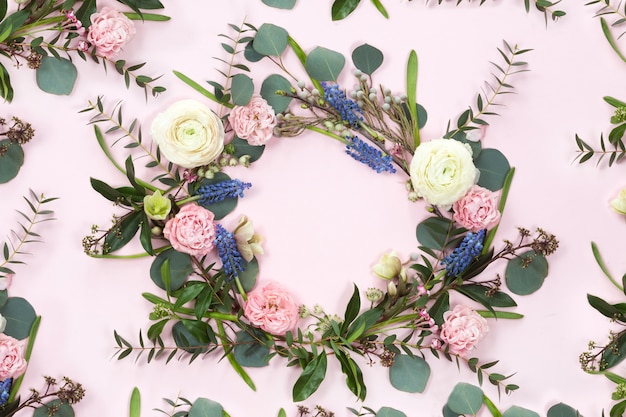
(477, 210)
(191, 230)
(462, 329)
(253, 122)
(12, 362)
(109, 31)
(272, 309)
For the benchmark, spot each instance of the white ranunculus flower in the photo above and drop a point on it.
(442, 171)
(189, 134)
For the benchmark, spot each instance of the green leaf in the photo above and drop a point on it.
(342, 8)
(412, 67)
(249, 352)
(379, 6)
(440, 306)
(465, 399)
(270, 86)
(20, 316)
(434, 232)
(324, 64)
(56, 75)
(367, 58)
(352, 309)
(241, 89)
(3, 8)
(224, 207)
(63, 410)
(526, 280)
(280, 4)
(180, 268)
(478, 293)
(190, 335)
(249, 275)
(603, 307)
(389, 412)
(311, 378)
(409, 374)
(11, 161)
(135, 403)
(123, 232)
(516, 411)
(203, 407)
(562, 410)
(609, 37)
(448, 413)
(493, 167)
(270, 40)
(6, 90)
(613, 355)
(242, 147)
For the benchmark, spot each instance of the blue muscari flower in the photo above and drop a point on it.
(369, 155)
(227, 250)
(348, 110)
(5, 387)
(464, 254)
(214, 193)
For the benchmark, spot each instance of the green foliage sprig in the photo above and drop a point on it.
(341, 9)
(44, 35)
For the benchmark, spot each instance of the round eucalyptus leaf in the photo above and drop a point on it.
(433, 232)
(367, 58)
(516, 411)
(20, 316)
(188, 340)
(250, 54)
(180, 268)
(241, 89)
(249, 352)
(409, 374)
(270, 40)
(249, 275)
(280, 4)
(476, 146)
(203, 407)
(324, 64)
(56, 75)
(62, 409)
(447, 412)
(493, 167)
(562, 410)
(4, 296)
(270, 86)
(242, 147)
(389, 412)
(465, 399)
(526, 273)
(11, 161)
(422, 115)
(224, 207)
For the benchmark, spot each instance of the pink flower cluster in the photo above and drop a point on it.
(272, 309)
(191, 230)
(462, 329)
(253, 122)
(110, 30)
(476, 210)
(12, 362)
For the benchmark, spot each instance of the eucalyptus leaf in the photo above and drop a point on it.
(434, 232)
(249, 352)
(562, 410)
(20, 316)
(273, 84)
(448, 413)
(516, 411)
(493, 167)
(324, 64)
(280, 4)
(270, 40)
(11, 161)
(409, 374)
(522, 279)
(367, 58)
(241, 89)
(465, 399)
(63, 409)
(203, 407)
(389, 412)
(249, 275)
(188, 341)
(242, 147)
(180, 268)
(56, 75)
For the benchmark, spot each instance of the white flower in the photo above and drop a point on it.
(442, 171)
(189, 134)
(619, 204)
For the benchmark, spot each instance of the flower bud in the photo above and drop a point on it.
(373, 294)
(389, 266)
(391, 289)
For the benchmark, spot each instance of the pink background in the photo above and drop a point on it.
(326, 219)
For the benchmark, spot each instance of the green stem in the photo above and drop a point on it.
(189, 199)
(505, 193)
(29, 349)
(240, 289)
(133, 256)
(327, 133)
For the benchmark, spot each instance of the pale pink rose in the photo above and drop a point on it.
(272, 309)
(110, 30)
(462, 329)
(191, 230)
(12, 362)
(253, 122)
(477, 210)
